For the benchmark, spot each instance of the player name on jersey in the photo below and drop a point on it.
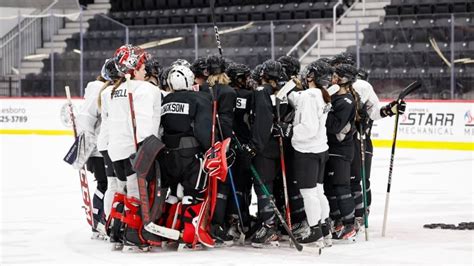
(175, 108)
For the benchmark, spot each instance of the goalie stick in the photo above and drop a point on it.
(82, 172)
(409, 89)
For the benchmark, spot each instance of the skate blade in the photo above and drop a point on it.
(135, 249)
(188, 247)
(117, 246)
(271, 244)
(224, 244)
(350, 240)
(99, 236)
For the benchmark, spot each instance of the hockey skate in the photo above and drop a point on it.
(325, 228)
(221, 238)
(266, 236)
(301, 230)
(314, 238)
(346, 235)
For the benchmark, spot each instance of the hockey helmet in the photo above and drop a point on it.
(180, 78)
(163, 77)
(272, 70)
(346, 73)
(199, 67)
(109, 72)
(128, 58)
(320, 72)
(256, 73)
(291, 65)
(363, 75)
(181, 62)
(343, 58)
(236, 71)
(215, 64)
(153, 68)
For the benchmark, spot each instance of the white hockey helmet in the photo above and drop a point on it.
(180, 78)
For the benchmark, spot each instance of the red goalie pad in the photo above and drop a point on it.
(216, 165)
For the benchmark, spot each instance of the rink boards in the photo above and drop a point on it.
(426, 124)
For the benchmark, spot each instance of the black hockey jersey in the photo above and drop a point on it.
(185, 114)
(241, 124)
(340, 125)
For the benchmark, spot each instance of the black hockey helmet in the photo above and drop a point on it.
(364, 75)
(109, 72)
(256, 72)
(318, 71)
(164, 76)
(326, 60)
(153, 68)
(346, 73)
(215, 64)
(272, 70)
(343, 58)
(236, 71)
(199, 67)
(291, 65)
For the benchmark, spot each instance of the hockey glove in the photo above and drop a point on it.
(282, 129)
(393, 108)
(248, 151)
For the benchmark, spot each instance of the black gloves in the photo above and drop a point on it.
(393, 108)
(282, 129)
(249, 151)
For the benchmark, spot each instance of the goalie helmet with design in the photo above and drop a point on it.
(291, 65)
(180, 78)
(319, 72)
(128, 58)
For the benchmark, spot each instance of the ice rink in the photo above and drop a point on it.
(42, 221)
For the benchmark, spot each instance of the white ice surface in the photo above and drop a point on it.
(42, 221)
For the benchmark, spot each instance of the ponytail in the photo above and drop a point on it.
(357, 102)
(116, 85)
(99, 100)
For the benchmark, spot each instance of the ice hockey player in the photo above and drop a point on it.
(199, 68)
(340, 125)
(153, 71)
(239, 75)
(124, 142)
(264, 149)
(186, 121)
(219, 89)
(88, 123)
(370, 109)
(311, 150)
(299, 224)
(111, 74)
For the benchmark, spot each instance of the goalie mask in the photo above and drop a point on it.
(180, 78)
(129, 58)
(181, 62)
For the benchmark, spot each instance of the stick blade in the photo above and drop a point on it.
(409, 89)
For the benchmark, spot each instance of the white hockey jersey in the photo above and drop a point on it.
(367, 96)
(309, 126)
(147, 104)
(88, 117)
(103, 137)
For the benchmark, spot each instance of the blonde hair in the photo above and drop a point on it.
(116, 85)
(221, 78)
(99, 100)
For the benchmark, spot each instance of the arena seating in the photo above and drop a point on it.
(398, 47)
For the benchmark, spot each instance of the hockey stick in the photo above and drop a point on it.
(412, 87)
(364, 184)
(216, 30)
(298, 246)
(234, 191)
(283, 170)
(82, 172)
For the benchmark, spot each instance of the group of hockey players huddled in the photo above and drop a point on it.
(197, 138)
